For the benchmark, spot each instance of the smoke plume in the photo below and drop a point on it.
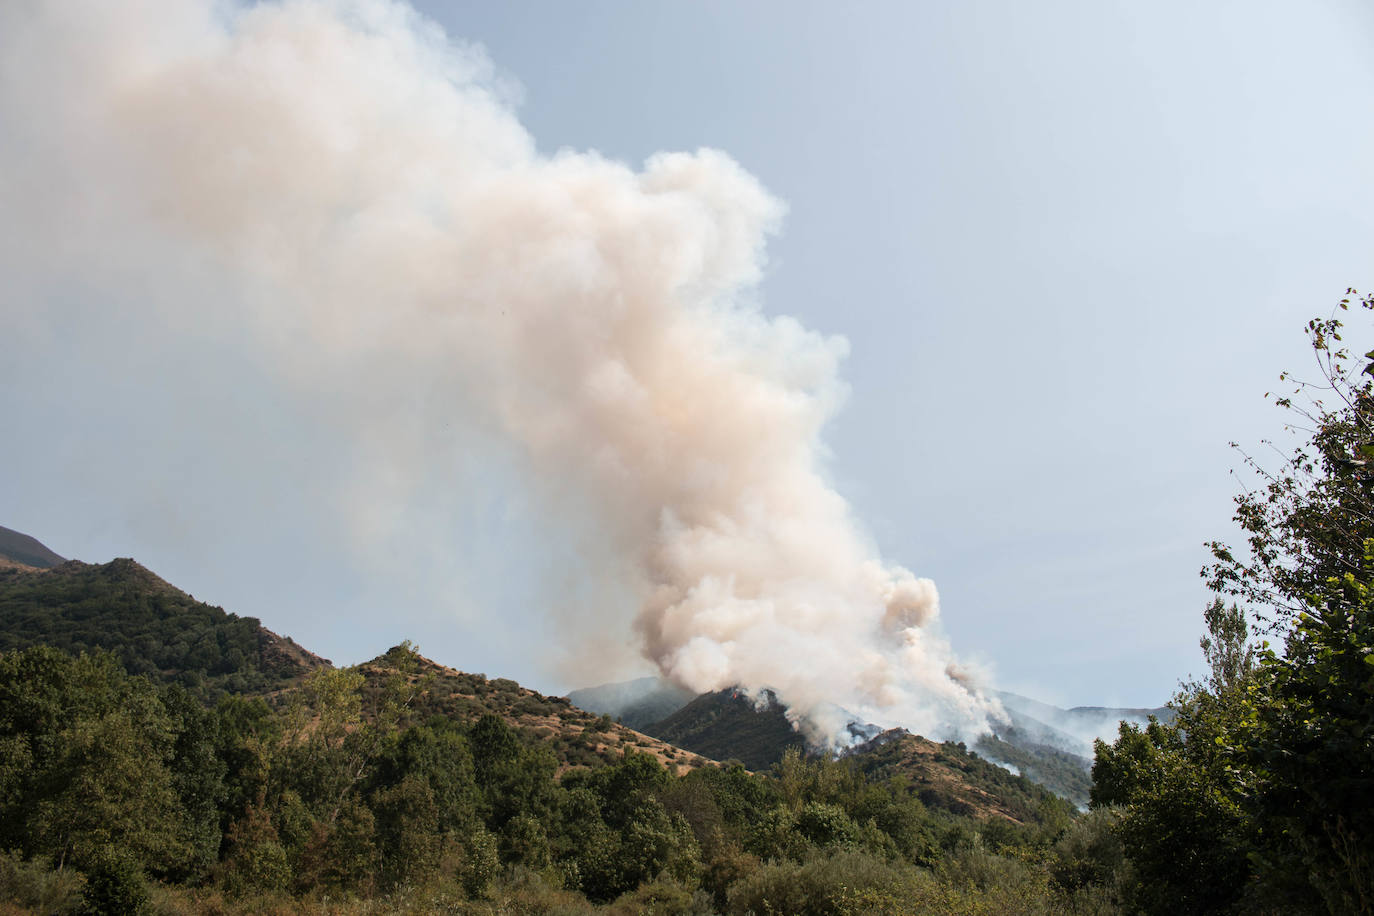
(345, 188)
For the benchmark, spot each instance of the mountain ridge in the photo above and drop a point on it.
(17, 548)
(157, 630)
(730, 725)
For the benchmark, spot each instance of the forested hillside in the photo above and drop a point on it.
(152, 627)
(382, 783)
(163, 754)
(576, 738)
(727, 725)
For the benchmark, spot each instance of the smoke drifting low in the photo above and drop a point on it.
(378, 213)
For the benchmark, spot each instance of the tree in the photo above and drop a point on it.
(1180, 820)
(1271, 761)
(1178, 799)
(92, 747)
(1308, 520)
(1308, 747)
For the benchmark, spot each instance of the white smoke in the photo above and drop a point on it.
(382, 225)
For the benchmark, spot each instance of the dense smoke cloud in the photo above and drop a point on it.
(379, 223)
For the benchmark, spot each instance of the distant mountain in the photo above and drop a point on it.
(636, 703)
(1054, 746)
(19, 548)
(1064, 773)
(1048, 745)
(1074, 729)
(728, 725)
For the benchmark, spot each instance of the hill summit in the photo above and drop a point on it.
(19, 549)
(153, 627)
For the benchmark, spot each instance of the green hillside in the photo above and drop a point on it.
(728, 725)
(153, 628)
(949, 777)
(401, 785)
(576, 738)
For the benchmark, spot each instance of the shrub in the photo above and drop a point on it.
(35, 885)
(480, 863)
(837, 885)
(663, 898)
(1090, 853)
(114, 887)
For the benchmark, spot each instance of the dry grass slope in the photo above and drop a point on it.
(576, 737)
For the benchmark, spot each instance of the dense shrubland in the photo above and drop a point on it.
(348, 797)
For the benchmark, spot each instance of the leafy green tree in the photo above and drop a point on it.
(480, 864)
(324, 754)
(1180, 822)
(524, 841)
(197, 774)
(1308, 748)
(342, 855)
(255, 859)
(1179, 799)
(826, 825)
(1263, 784)
(513, 779)
(407, 831)
(583, 845)
(623, 834)
(248, 735)
(339, 729)
(439, 754)
(1307, 520)
(93, 747)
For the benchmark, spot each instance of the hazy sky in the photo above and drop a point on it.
(1071, 245)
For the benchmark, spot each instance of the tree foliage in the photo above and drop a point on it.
(1263, 789)
(1307, 520)
(342, 792)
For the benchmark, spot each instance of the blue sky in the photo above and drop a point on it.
(1070, 245)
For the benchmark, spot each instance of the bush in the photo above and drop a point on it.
(838, 885)
(114, 887)
(35, 885)
(826, 825)
(663, 898)
(480, 863)
(1090, 853)
(537, 893)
